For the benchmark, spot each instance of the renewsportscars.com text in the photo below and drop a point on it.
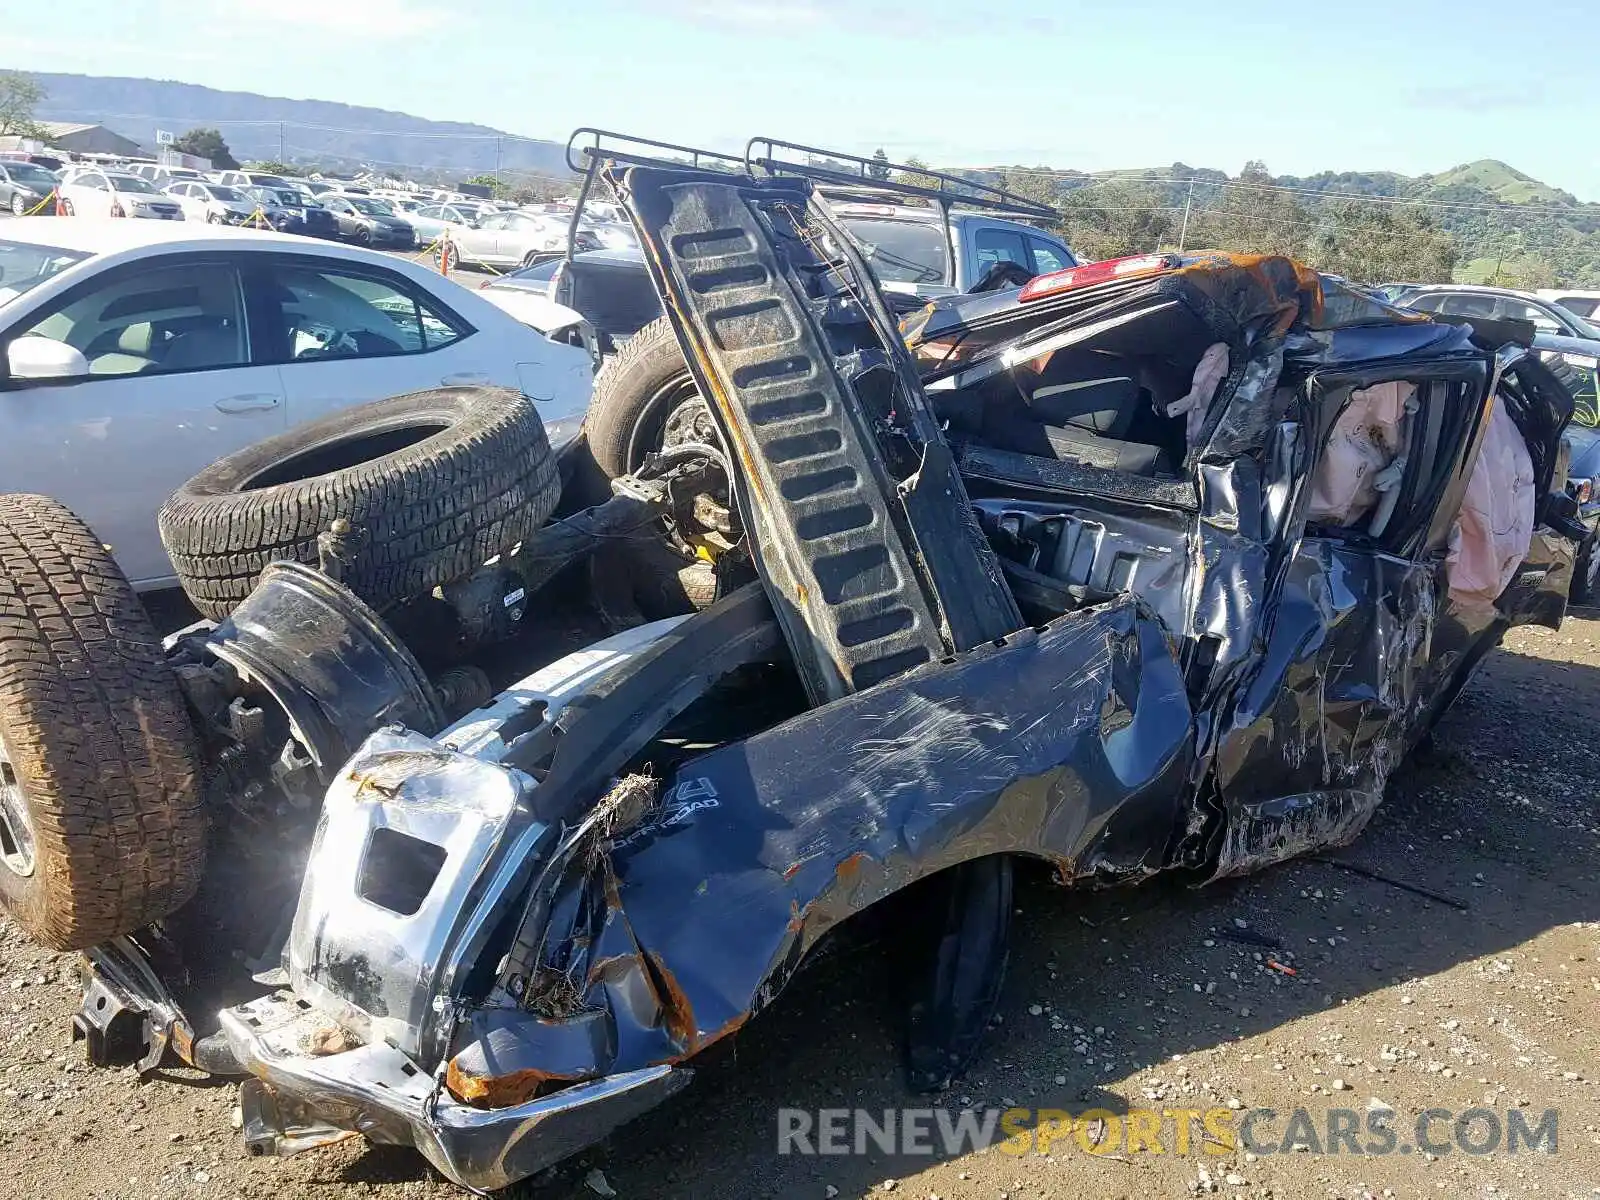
(1179, 1131)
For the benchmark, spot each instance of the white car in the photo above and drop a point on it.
(100, 193)
(162, 176)
(512, 239)
(213, 202)
(430, 220)
(1586, 303)
(249, 332)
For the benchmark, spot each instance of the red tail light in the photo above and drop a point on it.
(1100, 272)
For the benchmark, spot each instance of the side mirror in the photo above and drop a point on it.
(36, 357)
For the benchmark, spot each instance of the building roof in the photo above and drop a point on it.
(62, 128)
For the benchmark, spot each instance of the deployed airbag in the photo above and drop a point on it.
(1495, 528)
(1209, 373)
(1363, 456)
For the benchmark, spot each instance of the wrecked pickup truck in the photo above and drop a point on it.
(1161, 564)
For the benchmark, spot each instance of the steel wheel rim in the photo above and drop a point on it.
(17, 853)
(1592, 574)
(646, 436)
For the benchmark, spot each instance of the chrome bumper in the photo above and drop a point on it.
(299, 1099)
(359, 1042)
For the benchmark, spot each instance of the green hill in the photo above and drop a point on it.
(1494, 178)
(1479, 222)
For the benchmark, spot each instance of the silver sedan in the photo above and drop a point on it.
(512, 239)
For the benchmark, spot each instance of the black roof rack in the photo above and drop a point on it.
(607, 145)
(840, 174)
(942, 188)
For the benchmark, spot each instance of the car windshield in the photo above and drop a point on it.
(29, 173)
(901, 251)
(132, 183)
(227, 195)
(1583, 306)
(538, 273)
(370, 206)
(268, 181)
(24, 265)
(1581, 327)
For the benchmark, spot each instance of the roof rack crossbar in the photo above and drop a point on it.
(604, 144)
(945, 189)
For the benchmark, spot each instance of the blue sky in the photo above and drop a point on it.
(1406, 85)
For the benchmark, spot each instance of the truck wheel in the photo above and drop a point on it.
(433, 485)
(101, 829)
(635, 394)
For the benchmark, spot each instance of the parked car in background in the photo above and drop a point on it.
(432, 220)
(243, 179)
(368, 221)
(284, 215)
(1475, 300)
(92, 312)
(50, 162)
(1585, 303)
(1577, 364)
(514, 239)
(96, 192)
(215, 203)
(910, 249)
(25, 187)
(163, 176)
(311, 187)
(309, 215)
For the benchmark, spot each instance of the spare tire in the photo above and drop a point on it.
(433, 484)
(101, 829)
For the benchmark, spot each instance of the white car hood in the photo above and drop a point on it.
(532, 309)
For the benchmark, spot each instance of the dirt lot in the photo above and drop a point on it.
(1142, 998)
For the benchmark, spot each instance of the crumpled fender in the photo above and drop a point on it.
(1072, 743)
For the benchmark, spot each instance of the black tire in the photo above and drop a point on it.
(633, 394)
(666, 582)
(18, 205)
(100, 771)
(433, 485)
(1586, 571)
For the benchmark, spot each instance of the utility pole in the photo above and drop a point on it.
(1183, 234)
(497, 142)
(281, 147)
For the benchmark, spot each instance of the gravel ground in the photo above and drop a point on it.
(1117, 1000)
